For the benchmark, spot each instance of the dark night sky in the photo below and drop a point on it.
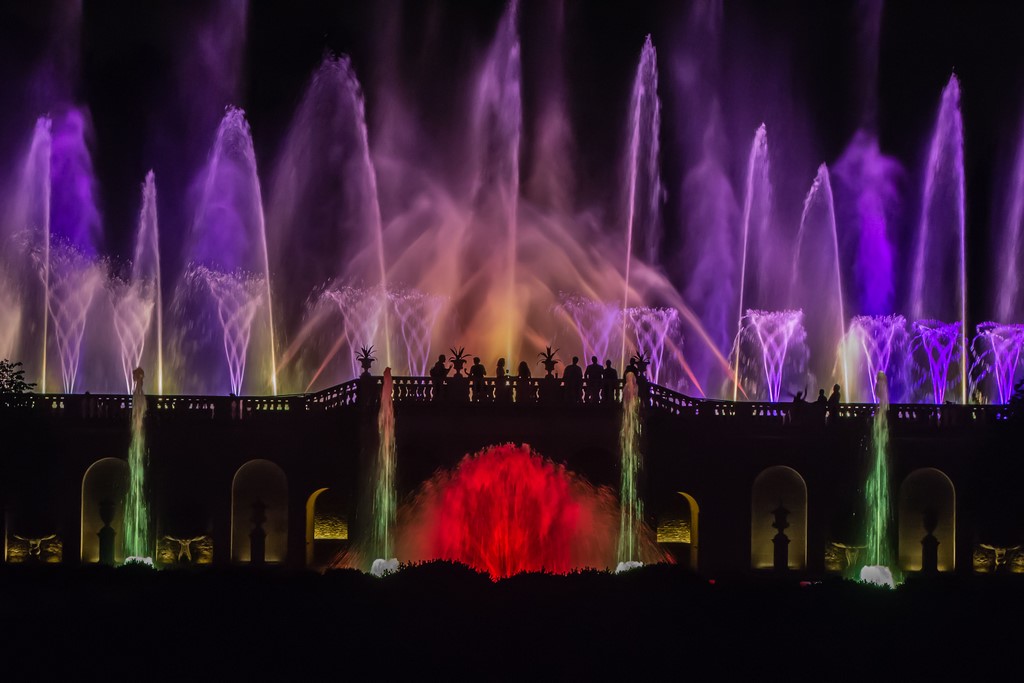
(804, 53)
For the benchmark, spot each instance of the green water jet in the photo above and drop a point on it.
(631, 506)
(137, 543)
(877, 498)
(385, 499)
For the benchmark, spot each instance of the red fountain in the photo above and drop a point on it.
(507, 510)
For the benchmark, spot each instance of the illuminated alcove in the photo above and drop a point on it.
(778, 488)
(927, 498)
(103, 489)
(678, 528)
(259, 490)
(326, 525)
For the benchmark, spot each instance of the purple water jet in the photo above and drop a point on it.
(871, 341)
(940, 253)
(939, 342)
(767, 341)
(756, 212)
(816, 285)
(997, 350)
(229, 249)
(138, 301)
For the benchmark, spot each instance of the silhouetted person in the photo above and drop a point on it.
(524, 391)
(502, 390)
(573, 377)
(822, 400)
(437, 375)
(799, 402)
(631, 367)
(593, 377)
(833, 403)
(476, 379)
(610, 377)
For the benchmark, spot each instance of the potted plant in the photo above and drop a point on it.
(366, 359)
(458, 359)
(548, 360)
(640, 361)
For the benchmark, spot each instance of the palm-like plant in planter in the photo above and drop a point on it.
(366, 358)
(548, 360)
(641, 361)
(458, 359)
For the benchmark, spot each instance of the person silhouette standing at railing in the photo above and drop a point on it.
(611, 382)
(502, 390)
(593, 378)
(833, 404)
(476, 379)
(573, 378)
(524, 390)
(437, 375)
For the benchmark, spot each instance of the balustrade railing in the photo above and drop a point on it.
(542, 391)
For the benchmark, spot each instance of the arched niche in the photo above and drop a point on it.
(326, 525)
(103, 490)
(259, 501)
(678, 528)
(779, 495)
(927, 513)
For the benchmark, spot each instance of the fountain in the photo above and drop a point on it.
(767, 340)
(815, 284)
(385, 499)
(941, 244)
(228, 253)
(386, 224)
(644, 191)
(631, 505)
(506, 510)
(137, 301)
(939, 342)
(997, 350)
(877, 554)
(138, 542)
(872, 340)
(756, 209)
(604, 327)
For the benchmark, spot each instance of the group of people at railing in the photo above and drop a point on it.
(823, 409)
(593, 384)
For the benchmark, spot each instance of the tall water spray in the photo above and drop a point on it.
(631, 505)
(137, 539)
(138, 301)
(643, 180)
(229, 242)
(1009, 247)
(385, 498)
(25, 260)
(940, 257)
(877, 502)
(756, 202)
(498, 120)
(816, 285)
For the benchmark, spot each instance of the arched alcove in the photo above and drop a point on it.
(259, 501)
(927, 513)
(779, 495)
(678, 527)
(326, 525)
(103, 489)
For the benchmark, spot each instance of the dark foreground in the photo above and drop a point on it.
(441, 621)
